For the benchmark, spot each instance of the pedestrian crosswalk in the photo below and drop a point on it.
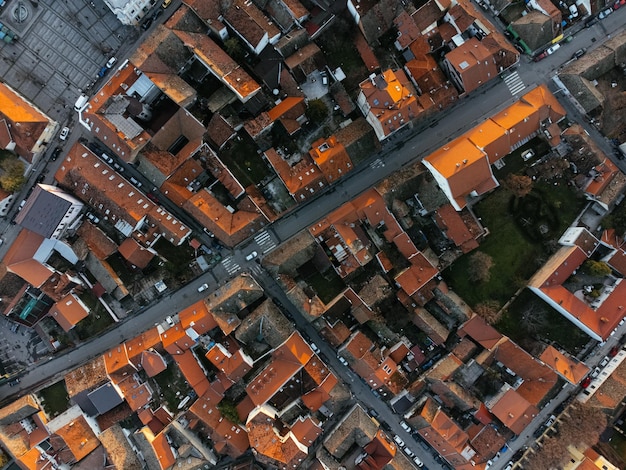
(230, 265)
(514, 82)
(265, 242)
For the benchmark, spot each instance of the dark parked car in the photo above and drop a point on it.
(579, 53)
(55, 154)
(146, 24)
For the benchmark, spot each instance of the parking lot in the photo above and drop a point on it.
(19, 347)
(61, 47)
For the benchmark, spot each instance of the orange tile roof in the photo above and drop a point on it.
(391, 101)
(152, 363)
(19, 258)
(491, 138)
(220, 64)
(464, 166)
(24, 121)
(268, 441)
(175, 340)
(358, 345)
(514, 411)
(416, 276)
(146, 340)
(290, 112)
(474, 64)
(331, 158)
(34, 459)
(192, 371)
(198, 317)
(538, 377)
(229, 227)
(137, 394)
(405, 245)
(234, 365)
(568, 367)
(99, 244)
(117, 362)
(79, 437)
(69, 311)
(606, 171)
(163, 451)
(96, 183)
(407, 29)
(302, 180)
(481, 332)
(175, 186)
(451, 222)
(287, 359)
(136, 254)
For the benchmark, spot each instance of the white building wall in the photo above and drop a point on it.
(442, 182)
(129, 12)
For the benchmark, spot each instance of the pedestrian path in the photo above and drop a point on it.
(265, 242)
(515, 83)
(230, 265)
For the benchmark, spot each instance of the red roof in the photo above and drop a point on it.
(192, 371)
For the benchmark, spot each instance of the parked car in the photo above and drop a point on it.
(146, 24)
(103, 71)
(579, 53)
(589, 22)
(418, 462)
(118, 167)
(586, 381)
(64, 133)
(169, 320)
(552, 49)
(406, 427)
(14, 382)
(111, 62)
(135, 181)
(251, 256)
(541, 56)
(604, 13)
(573, 11)
(203, 287)
(550, 421)
(153, 197)
(409, 452)
(106, 158)
(166, 3)
(528, 154)
(399, 441)
(94, 218)
(314, 348)
(604, 362)
(343, 360)
(55, 153)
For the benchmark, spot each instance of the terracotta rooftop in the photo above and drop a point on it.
(69, 311)
(233, 365)
(117, 363)
(192, 371)
(145, 341)
(290, 112)
(219, 130)
(474, 64)
(250, 22)
(152, 363)
(514, 411)
(136, 394)
(390, 100)
(99, 244)
(198, 317)
(24, 123)
(75, 432)
(20, 258)
(416, 276)
(407, 29)
(136, 254)
(175, 340)
(220, 64)
(481, 332)
(125, 206)
(331, 158)
(449, 220)
(567, 367)
(302, 180)
(287, 359)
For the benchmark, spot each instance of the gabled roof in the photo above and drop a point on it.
(76, 433)
(198, 317)
(234, 365)
(416, 276)
(175, 340)
(514, 411)
(302, 180)
(146, 340)
(27, 122)
(250, 22)
(473, 62)
(19, 259)
(331, 157)
(136, 254)
(287, 359)
(117, 362)
(455, 229)
(95, 182)
(69, 311)
(152, 363)
(192, 371)
(567, 367)
(481, 332)
(136, 394)
(118, 449)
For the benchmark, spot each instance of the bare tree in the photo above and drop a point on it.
(489, 310)
(583, 424)
(479, 267)
(520, 185)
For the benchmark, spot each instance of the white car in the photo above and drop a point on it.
(343, 360)
(399, 441)
(408, 452)
(314, 348)
(418, 462)
(169, 320)
(251, 256)
(64, 133)
(528, 154)
(605, 13)
(203, 287)
(111, 62)
(553, 49)
(406, 427)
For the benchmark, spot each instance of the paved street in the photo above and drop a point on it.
(409, 146)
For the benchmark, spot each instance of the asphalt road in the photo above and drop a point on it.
(410, 146)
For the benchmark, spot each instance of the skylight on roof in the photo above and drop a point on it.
(464, 65)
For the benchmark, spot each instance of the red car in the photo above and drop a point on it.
(585, 383)
(619, 3)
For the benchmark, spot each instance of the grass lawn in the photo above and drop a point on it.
(245, 163)
(618, 443)
(96, 322)
(55, 399)
(170, 382)
(515, 257)
(328, 285)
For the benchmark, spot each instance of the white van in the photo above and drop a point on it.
(81, 103)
